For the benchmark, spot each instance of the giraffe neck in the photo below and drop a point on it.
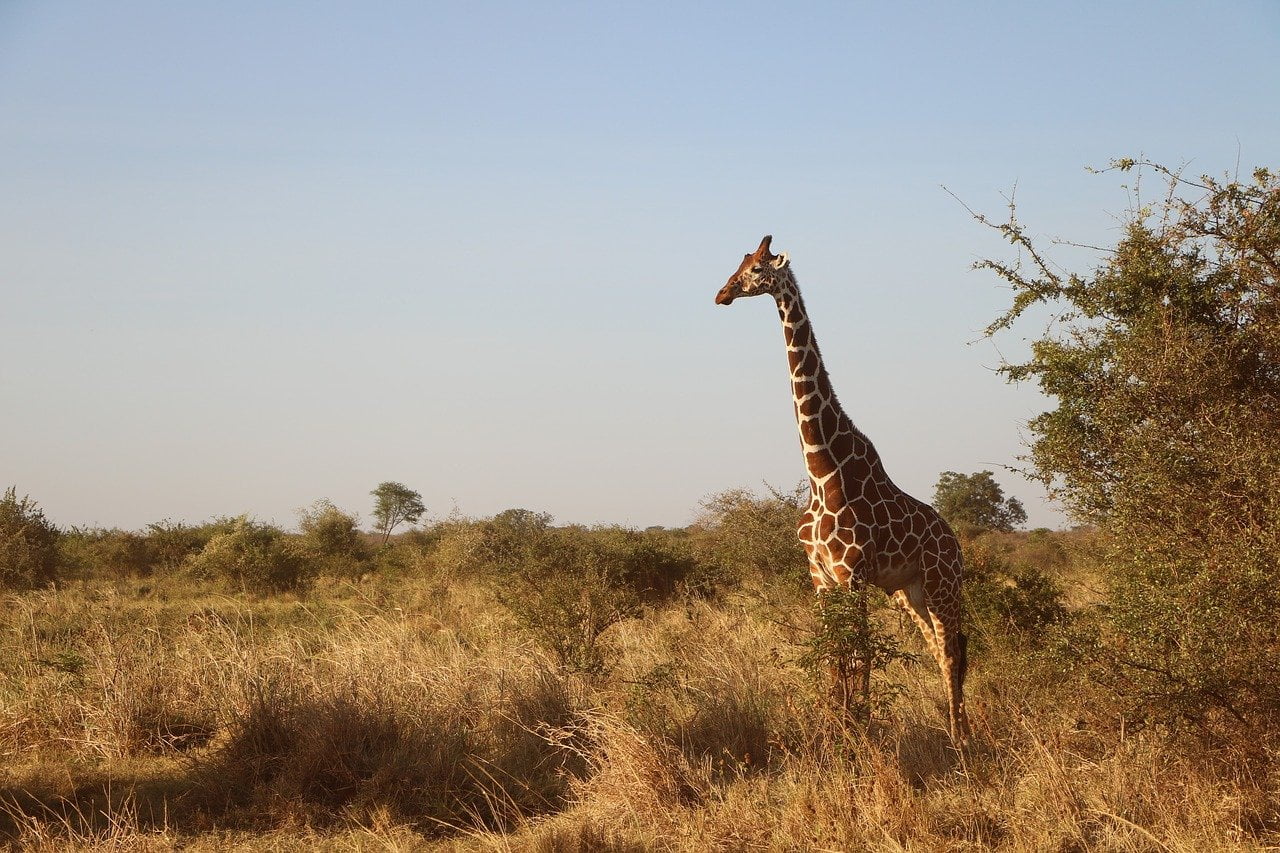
(830, 442)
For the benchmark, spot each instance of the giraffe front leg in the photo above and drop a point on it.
(823, 582)
(848, 678)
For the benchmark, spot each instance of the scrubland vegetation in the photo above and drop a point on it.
(507, 683)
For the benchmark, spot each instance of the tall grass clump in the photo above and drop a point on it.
(393, 724)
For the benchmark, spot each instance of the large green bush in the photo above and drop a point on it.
(28, 543)
(1164, 365)
(254, 556)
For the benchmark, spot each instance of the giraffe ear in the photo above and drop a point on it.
(780, 261)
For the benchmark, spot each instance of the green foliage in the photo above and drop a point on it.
(254, 556)
(395, 504)
(1212, 664)
(974, 502)
(109, 553)
(567, 586)
(172, 542)
(331, 536)
(1006, 604)
(1164, 364)
(853, 651)
(28, 543)
(746, 536)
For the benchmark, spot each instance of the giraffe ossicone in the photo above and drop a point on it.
(859, 526)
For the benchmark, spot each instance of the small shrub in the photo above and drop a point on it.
(28, 543)
(567, 597)
(567, 586)
(849, 648)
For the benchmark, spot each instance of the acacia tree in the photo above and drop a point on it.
(973, 502)
(394, 504)
(1164, 365)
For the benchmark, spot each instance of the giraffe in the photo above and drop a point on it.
(859, 527)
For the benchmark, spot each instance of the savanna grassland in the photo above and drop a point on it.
(508, 684)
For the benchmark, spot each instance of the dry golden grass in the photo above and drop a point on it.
(412, 715)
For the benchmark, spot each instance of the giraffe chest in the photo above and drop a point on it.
(836, 541)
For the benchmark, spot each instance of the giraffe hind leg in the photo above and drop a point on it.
(953, 661)
(911, 599)
(948, 647)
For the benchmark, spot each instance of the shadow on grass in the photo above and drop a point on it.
(296, 756)
(42, 802)
(925, 754)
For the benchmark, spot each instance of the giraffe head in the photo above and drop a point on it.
(760, 272)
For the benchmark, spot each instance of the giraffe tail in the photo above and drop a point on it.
(962, 653)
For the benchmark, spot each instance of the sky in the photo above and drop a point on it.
(257, 254)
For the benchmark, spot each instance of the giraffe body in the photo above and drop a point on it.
(859, 527)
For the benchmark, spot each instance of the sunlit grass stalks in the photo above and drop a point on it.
(413, 714)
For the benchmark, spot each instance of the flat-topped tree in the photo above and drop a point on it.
(395, 503)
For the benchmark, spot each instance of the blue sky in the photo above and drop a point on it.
(255, 254)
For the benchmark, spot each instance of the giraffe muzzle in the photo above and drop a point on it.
(726, 295)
